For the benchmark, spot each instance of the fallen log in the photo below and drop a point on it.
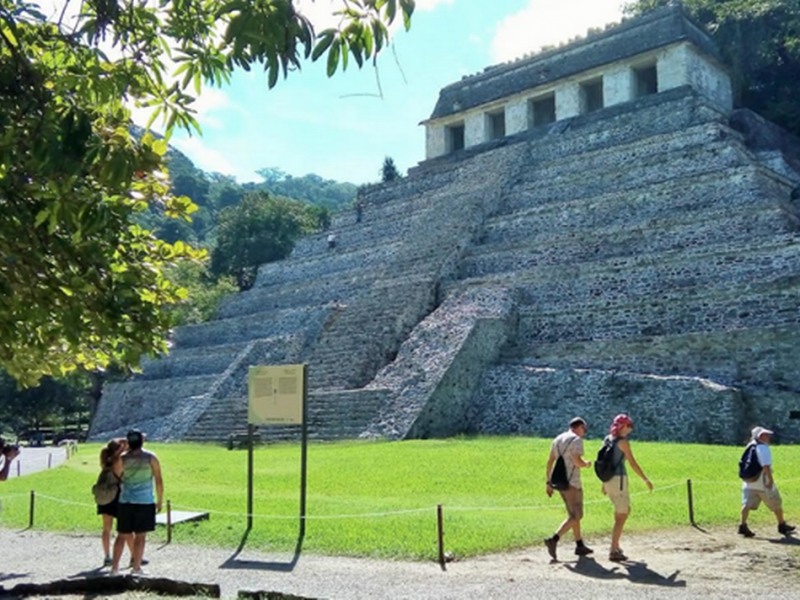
(262, 595)
(112, 585)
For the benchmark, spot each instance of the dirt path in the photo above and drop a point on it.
(677, 564)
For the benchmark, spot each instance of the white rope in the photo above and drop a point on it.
(62, 501)
(658, 489)
(307, 517)
(554, 504)
(10, 496)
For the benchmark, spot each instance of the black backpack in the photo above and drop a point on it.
(604, 466)
(559, 480)
(749, 466)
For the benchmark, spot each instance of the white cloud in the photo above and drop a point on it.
(207, 158)
(549, 22)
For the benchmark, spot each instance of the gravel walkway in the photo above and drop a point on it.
(677, 564)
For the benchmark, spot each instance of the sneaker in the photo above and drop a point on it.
(583, 551)
(785, 528)
(113, 573)
(137, 572)
(745, 531)
(107, 561)
(551, 544)
(617, 555)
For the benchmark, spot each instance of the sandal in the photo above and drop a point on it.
(617, 555)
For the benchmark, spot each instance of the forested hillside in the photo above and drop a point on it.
(214, 192)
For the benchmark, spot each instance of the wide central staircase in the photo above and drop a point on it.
(640, 258)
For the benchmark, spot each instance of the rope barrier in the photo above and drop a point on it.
(308, 517)
(10, 496)
(554, 505)
(62, 501)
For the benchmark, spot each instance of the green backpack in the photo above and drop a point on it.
(106, 488)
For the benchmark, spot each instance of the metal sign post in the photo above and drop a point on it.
(304, 455)
(278, 395)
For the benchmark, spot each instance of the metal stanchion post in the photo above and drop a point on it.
(691, 501)
(33, 502)
(169, 522)
(440, 529)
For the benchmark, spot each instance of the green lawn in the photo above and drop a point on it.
(469, 476)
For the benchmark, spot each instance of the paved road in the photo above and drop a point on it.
(32, 460)
(38, 557)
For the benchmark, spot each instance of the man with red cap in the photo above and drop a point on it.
(762, 487)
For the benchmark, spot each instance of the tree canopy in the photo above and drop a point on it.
(81, 284)
(389, 170)
(259, 230)
(760, 40)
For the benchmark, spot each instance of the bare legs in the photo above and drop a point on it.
(619, 523)
(119, 546)
(138, 551)
(108, 523)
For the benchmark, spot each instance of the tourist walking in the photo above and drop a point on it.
(617, 488)
(138, 504)
(564, 474)
(758, 483)
(331, 241)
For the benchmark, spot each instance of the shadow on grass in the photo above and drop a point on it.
(10, 576)
(257, 565)
(637, 572)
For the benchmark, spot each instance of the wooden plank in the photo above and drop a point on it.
(181, 516)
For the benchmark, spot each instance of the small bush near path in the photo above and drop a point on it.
(492, 491)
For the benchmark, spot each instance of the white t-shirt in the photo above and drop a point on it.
(569, 445)
(764, 453)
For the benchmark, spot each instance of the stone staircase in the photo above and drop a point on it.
(343, 311)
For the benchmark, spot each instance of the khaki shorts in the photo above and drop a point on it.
(620, 498)
(772, 498)
(573, 500)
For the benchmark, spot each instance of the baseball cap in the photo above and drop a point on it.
(621, 421)
(759, 431)
(577, 421)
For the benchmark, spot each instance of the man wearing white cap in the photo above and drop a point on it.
(760, 487)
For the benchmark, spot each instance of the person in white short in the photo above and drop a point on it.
(762, 488)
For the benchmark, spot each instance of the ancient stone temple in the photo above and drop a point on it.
(594, 230)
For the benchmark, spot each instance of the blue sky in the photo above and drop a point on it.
(340, 128)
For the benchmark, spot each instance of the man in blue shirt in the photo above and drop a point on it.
(138, 505)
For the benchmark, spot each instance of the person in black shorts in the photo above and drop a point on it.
(138, 502)
(111, 460)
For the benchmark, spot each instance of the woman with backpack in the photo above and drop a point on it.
(106, 490)
(616, 488)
